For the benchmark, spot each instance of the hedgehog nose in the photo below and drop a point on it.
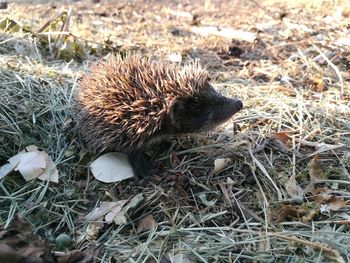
(237, 104)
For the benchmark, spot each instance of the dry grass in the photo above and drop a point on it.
(293, 79)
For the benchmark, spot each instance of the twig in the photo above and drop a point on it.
(329, 252)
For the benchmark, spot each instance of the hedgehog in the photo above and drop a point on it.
(127, 104)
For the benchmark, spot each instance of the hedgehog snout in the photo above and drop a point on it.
(236, 105)
(225, 109)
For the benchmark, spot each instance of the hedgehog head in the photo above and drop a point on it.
(200, 111)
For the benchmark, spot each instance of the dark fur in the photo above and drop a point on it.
(126, 105)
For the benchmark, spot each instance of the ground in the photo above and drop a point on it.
(281, 194)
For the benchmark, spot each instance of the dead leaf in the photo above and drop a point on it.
(146, 223)
(319, 195)
(289, 212)
(293, 188)
(114, 211)
(50, 173)
(89, 232)
(18, 244)
(315, 171)
(323, 196)
(31, 164)
(111, 167)
(282, 136)
(316, 83)
(73, 256)
(134, 202)
(6, 169)
(335, 203)
(76, 256)
(107, 209)
(220, 164)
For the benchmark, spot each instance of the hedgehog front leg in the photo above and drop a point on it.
(140, 165)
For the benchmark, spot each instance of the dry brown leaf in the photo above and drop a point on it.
(293, 188)
(316, 84)
(323, 195)
(315, 171)
(289, 211)
(18, 244)
(146, 223)
(282, 136)
(320, 195)
(316, 191)
(335, 203)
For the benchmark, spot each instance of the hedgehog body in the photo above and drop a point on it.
(124, 105)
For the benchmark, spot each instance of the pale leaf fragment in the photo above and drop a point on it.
(90, 232)
(111, 167)
(134, 202)
(220, 164)
(5, 170)
(146, 223)
(293, 188)
(120, 218)
(31, 164)
(103, 209)
(181, 258)
(51, 172)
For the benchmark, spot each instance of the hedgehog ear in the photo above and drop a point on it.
(175, 108)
